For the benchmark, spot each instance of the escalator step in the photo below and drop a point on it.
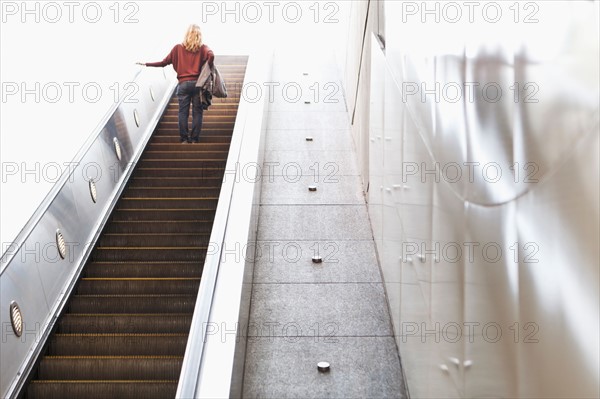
(180, 172)
(173, 139)
(200, 147)
(154, 240)
(163, 214)
(149, 254)
(209, 117)
(173, 129)
(189, 153)
(185, 182)
(132, 304)
(129, 286)
(110, 367)
(168, 203)
(51, 389)
(213, 111)
(117, 344)
(166, 227)
(172, 192)
(101, 323)
(207, 125)
(183, 163)
(223, 135)
(143, 269)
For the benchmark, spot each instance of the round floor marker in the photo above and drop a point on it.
(317, 259)
(323, 366)
(312, 188)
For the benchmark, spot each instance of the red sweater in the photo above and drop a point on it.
(186, 64)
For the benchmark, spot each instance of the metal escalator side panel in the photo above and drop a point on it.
(33, 273)
(134, 301)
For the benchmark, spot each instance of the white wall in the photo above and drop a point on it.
(542, 289)
(357, 80)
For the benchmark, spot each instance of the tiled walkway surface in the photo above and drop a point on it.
(304, 312)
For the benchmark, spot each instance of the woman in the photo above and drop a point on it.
(187, 59)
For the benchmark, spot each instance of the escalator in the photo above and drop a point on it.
(124, 331)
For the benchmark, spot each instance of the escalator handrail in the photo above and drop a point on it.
(191, 367)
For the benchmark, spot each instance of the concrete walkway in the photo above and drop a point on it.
(302, 312)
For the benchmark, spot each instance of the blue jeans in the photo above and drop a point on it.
(187, 93)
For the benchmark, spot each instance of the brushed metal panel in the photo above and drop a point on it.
(377, 113)
(489, 120)
(489, 366)
(62, 214)
(375, 206)
(431, 373)
(449, 145)
(120, 126)
(95, 165)
(491, 290)
(416, 222)
(448, 234)
(20, 283)
(110, 132)
(418, 79)
(559, 279)
(419, 173)
(392, 222)
(393, 122)
(376, 189)
(491, 273)
(447, 307)
(541, 135)
(390, 256)
(560, 105)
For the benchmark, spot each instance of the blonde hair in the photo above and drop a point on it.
(193, 39)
